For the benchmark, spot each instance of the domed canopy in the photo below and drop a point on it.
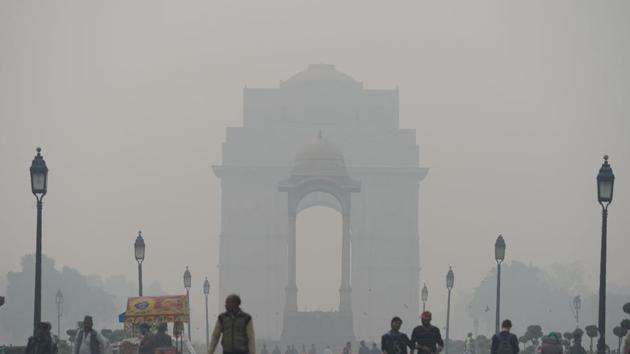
(320, 73)
(320, 158)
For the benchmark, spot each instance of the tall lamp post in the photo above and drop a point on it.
(425, 296)
(605, 183)
(450, 280)
(499, 256)
(138, 248)
(39, 187)
(577, 305)
(59, 301)
(187, 285)
(206, 291)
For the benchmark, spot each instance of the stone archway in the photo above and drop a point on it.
(319, 168)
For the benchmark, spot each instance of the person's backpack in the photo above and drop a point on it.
(505, 347)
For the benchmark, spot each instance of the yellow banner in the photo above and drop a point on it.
(157, 306)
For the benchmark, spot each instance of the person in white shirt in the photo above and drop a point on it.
(327, 350)
(89, 341)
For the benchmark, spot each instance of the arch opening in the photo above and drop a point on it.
(318, 258)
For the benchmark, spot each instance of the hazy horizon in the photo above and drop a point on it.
(514, 105)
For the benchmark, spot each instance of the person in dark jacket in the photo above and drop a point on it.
(41, 342)
(426, 338)
(395, 342)
(505, 342)
(235, 328)
(161, 339)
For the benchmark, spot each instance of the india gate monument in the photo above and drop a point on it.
(321, 139)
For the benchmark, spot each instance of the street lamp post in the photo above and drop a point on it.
(206, 291)
(605, 184)
(450, 280)
(39, 187)
(187, 285)
(59, 301)
(139, 248)
(577, 305)
(499, 256)
(425, 296)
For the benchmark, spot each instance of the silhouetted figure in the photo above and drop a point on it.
(146, 343)
(289, 350)
(312, 350)
(577, 347)
(89, 341)
(395, 342)
(327, 350)
(161, 339)
(469, 344)
(363, 349)
(276, 350)
(505, 342)
(375, 349)
(264, 349)
(347, 349)
(41, 342)
(426, 338)
(235, 328)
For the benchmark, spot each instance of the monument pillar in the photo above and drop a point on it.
(345, 292)
(291, 289)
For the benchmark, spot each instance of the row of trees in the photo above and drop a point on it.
(534, 335)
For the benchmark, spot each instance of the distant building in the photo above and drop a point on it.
(321, 139)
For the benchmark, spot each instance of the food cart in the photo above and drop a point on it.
(153, 310)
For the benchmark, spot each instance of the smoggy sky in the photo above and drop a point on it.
(514, 104)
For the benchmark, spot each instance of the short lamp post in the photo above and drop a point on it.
(139, 249)
(605, 184)
(206, 291)
(499, 256)
(450, 280)
(187, 285)
(59, 302)
(425, 296)
(39, 187)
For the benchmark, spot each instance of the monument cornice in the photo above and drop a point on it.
(357, 170)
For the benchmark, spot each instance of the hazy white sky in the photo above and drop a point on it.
(514, 104)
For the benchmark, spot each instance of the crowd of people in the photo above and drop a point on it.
(234, 329)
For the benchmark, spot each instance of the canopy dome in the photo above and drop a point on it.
(320, 73)
(320, 158)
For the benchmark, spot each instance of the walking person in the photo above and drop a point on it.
(577, 347)
(375, 349)
(328, 350)
(41, 342)
(146, 343)
(161, 339)
(505, 342)
(89, 341)
(313, 350)
(469, 344)
(363, 349)
(264, 349)
(276, 350)
(394, 341)
(347, 349)
(235, 328)
(426, 338)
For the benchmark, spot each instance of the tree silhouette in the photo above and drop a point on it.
(591, 331)
(619, 332)
(80, 299)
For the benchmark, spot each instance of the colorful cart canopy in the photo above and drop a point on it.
(153, 309)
